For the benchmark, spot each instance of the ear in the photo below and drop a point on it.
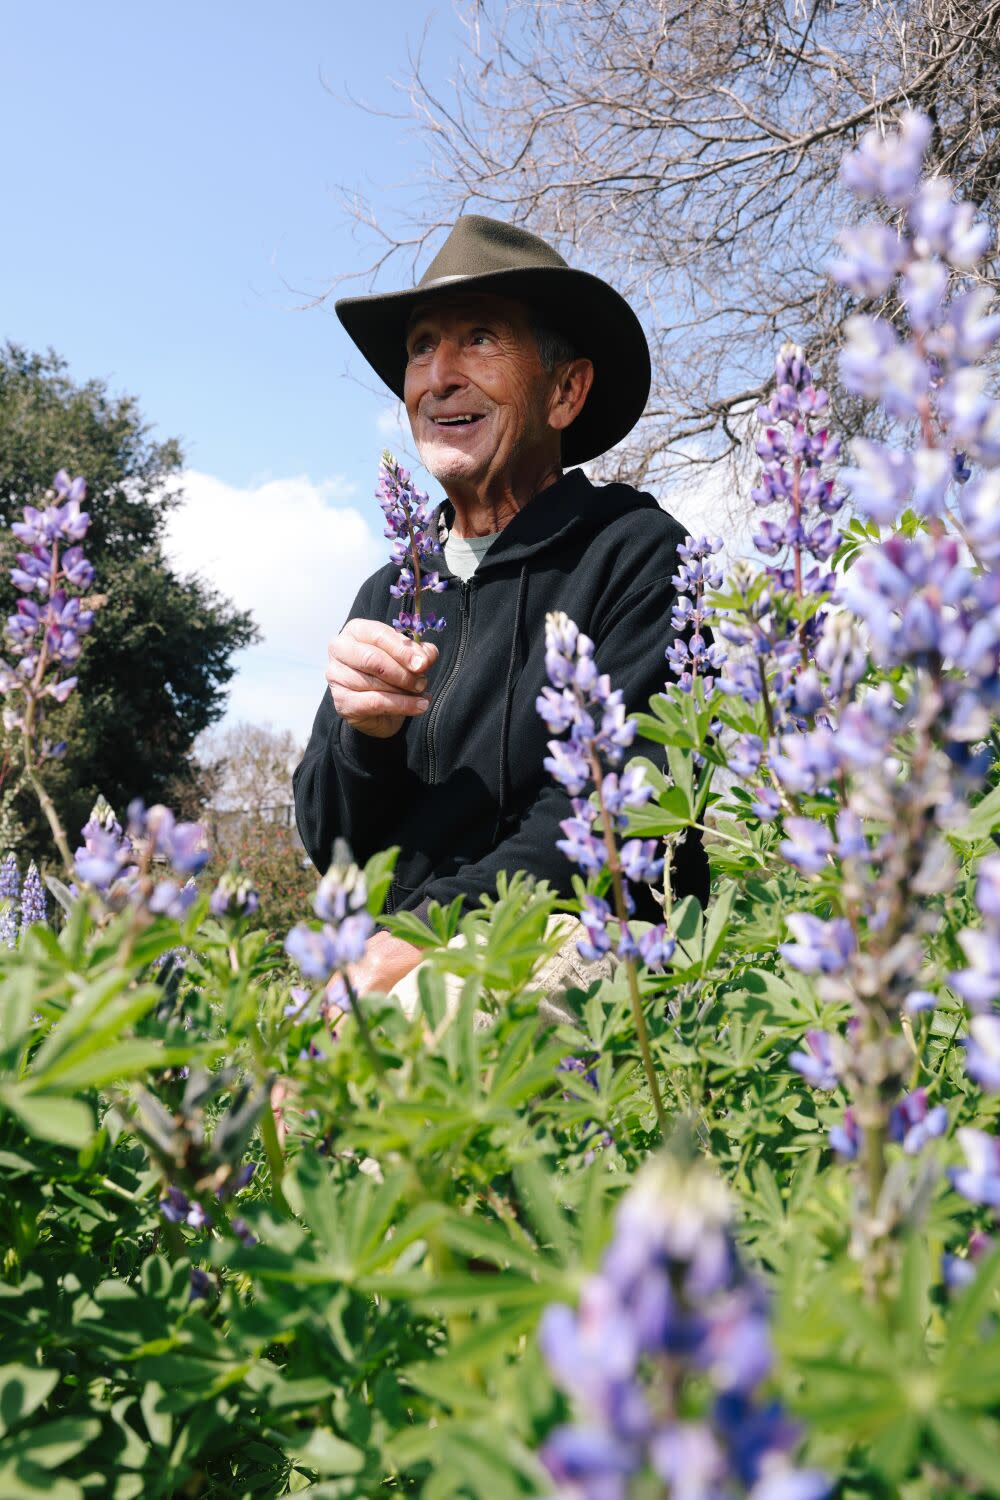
(572, 386)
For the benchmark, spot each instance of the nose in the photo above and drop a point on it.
(444, 373)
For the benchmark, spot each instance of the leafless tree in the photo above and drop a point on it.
(247, 772)
(688, 150)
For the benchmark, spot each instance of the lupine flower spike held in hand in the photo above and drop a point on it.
(410, 524)
(581, 700)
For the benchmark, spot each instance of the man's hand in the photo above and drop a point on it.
(386, 960)
(377, 677)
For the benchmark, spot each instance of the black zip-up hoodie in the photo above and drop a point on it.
(462, 788)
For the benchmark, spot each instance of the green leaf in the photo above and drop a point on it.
(983, 820)
(29, 1481)
(51, 1443)
(325, 1453)
(484, 1241)
(971, 1445)
(159, 1422)
(535, 1190)
(378, 878)
(718, 929)
(23, 1388)
(65, 1122)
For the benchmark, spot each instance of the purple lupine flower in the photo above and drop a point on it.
(177, 1208)
(202, 1284)
(692, 657)
(979, 1179)
(106, 854)
(979, 984)
(46, 635)
(182, 845)
(913, 1124)
(808, 845)
(873, 256)
(960, 1271)
(816, 1064)
(411, 525)
(234, 896)
(918, 1001)
(670, 1310)
(10, 890)
(34, 904)
(820, 947)
(580, 699)
(888, 166)
(982, 1052)
(845, 1138)
(341, 903)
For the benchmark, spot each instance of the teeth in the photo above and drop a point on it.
(454, 421)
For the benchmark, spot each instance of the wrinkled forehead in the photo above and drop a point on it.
(458, 306)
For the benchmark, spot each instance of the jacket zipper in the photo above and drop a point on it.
(443, 690)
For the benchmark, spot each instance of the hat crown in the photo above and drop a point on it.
(478, 246)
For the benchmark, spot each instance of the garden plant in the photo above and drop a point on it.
(726, 1230)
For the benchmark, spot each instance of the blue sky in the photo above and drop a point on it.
(172, 195)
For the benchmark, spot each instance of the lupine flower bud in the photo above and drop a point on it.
(341, 903)
(234, 896)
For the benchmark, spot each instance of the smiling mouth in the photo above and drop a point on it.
(465, 419)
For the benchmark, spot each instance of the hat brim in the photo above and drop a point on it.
(592, 315)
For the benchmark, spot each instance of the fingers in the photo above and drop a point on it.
(412, 656)
(356, 700)
(382, 657)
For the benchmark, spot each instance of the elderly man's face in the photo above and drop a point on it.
(477, 395)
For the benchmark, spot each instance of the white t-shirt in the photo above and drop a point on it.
(463, 554)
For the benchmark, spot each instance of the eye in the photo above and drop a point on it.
(419, 344)
(481, 336)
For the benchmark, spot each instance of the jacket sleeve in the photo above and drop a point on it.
(631, 650)
(341, 788)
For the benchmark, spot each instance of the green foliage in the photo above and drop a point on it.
(370, 1299)
(160, 655)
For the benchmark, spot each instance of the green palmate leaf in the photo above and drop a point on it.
(481, 1240)
(982, 822)
(85, 1069)
(535, 1190)
(970, 1445)
(968, 1311)
(23, 1388)
(893, 1451)
(325, 1453)
(24, 1480)
(50, 1444)
(718, 930)
(65, 1122)
(98, 1017)
(459, 1291)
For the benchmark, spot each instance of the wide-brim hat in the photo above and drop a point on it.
(485, 255)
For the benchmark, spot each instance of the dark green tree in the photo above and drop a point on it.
(154, 670)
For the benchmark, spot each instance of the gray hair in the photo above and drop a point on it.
(553, 348)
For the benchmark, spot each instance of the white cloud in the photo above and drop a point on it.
(391, 422)
(294, 554)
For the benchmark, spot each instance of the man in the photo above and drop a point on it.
(512, 367)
